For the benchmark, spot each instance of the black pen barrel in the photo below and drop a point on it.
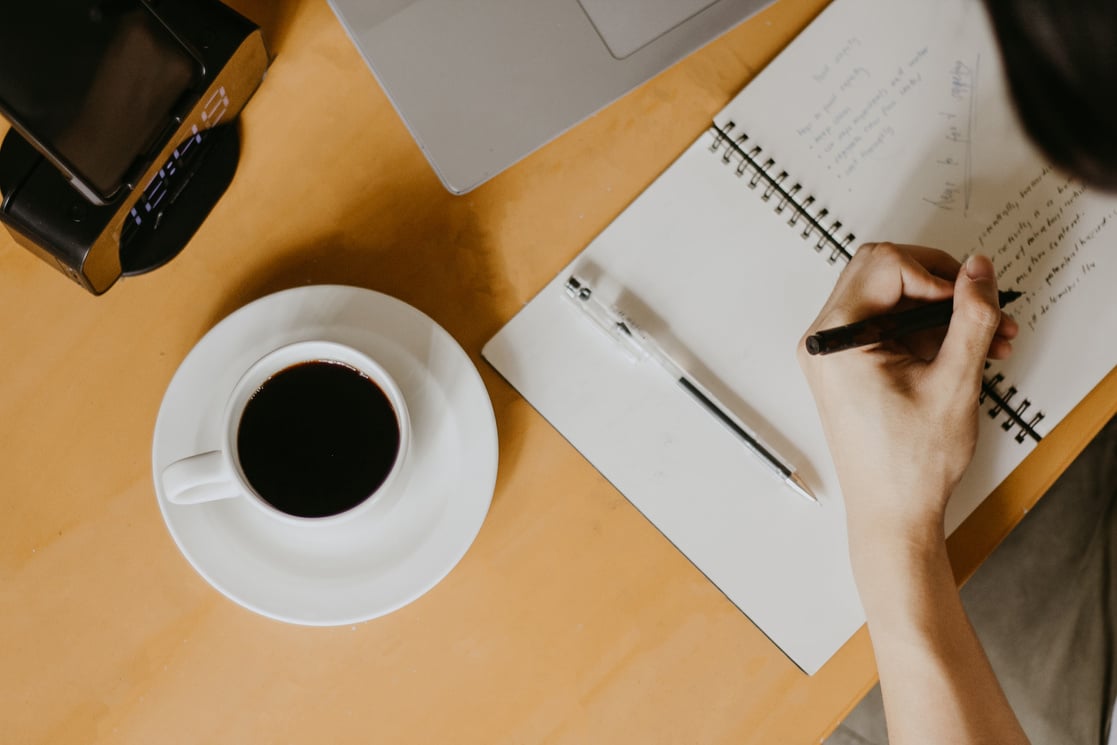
(881, 328)
(892, 326)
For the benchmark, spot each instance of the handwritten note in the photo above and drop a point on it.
(952, 162)
(1044, 238)
(912, 137)
(851, 124)
(1046, 242)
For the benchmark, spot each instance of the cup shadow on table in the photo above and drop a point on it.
(435, 258)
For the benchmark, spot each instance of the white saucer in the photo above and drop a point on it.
(416, 532)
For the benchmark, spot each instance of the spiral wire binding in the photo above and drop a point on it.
(751, 162)
(1002, 405)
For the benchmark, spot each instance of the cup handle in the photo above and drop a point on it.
(199, 478)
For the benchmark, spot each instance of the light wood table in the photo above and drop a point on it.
(571, 620)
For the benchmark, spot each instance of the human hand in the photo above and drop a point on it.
(901, 417)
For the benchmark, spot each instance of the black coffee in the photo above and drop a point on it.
(317, 439)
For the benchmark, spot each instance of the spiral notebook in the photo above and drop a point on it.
(883, 120)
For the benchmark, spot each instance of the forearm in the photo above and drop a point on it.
(901, 419)
(936, 681)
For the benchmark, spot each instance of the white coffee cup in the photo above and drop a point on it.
(218, 474)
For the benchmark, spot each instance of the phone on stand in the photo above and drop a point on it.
(95, 86)
(124, 129)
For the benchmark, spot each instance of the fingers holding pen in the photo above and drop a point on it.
(882, 275)
(1007, 331)
(974, 323)
(946, 266)
(896, 295)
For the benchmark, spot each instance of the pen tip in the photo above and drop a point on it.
(798, 485)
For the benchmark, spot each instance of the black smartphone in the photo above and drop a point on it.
(94, 85)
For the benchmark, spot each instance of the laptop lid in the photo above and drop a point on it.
(483, 83)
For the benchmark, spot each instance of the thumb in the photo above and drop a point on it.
(976, 316)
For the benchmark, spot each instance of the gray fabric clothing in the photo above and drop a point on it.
(1045, 608)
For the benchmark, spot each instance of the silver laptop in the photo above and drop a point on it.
(482, 83)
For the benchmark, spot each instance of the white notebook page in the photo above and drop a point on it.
(897, 117)
(707, 267)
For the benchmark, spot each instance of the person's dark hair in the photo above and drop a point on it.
(1061, 62)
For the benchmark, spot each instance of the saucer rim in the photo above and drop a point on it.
(486, 467)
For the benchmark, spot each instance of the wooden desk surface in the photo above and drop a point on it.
(571, 620)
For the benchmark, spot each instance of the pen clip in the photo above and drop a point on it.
(610, 320)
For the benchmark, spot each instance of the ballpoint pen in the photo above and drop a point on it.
(640, 346)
